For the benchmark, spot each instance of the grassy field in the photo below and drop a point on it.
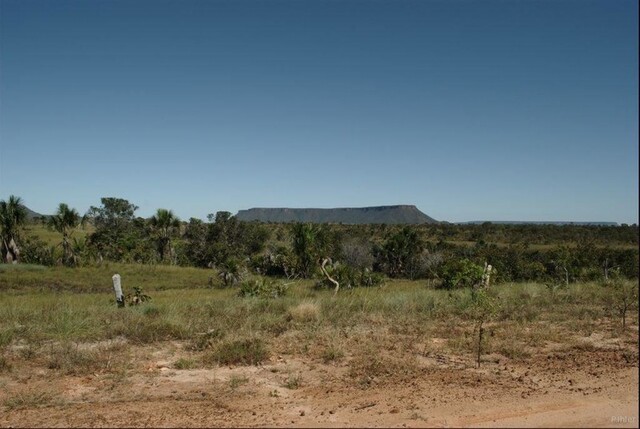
(23, 278)
(52, 237)
(43, 304)
(60, 327)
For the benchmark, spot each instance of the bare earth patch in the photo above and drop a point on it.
(593, 383)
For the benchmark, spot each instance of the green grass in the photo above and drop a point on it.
(21, 278)
(190, 313)
(220, 327)
(21, 268)
(185, 363)
(52, 237)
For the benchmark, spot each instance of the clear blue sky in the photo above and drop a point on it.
(471, 110)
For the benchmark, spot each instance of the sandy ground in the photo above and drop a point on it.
(570, 388)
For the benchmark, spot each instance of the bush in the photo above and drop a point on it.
(460, 274)
(622, 296)
(276, 263)
(231, 272)
(262, 288)
(36, 251)
(349, 277)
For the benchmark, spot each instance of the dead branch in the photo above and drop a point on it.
(324, 262)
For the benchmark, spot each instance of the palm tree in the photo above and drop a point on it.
(308, 245)
(65, 221)
(230, 272)
(165, 224)
(12, 216)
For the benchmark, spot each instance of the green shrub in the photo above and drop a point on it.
(262, 288)
(349, 277)
(138, 297)
(621, 297)
(460, 274)
(37, 251)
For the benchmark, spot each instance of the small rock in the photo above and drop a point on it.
(302, 413)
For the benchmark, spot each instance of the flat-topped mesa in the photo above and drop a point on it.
(397, 214)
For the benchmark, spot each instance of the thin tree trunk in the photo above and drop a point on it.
(324, 262)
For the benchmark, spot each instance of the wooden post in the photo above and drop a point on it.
(117, 288)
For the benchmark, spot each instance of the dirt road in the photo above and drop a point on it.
(575, 388)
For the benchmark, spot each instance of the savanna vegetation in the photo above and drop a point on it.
(444, 254)
(237, 293)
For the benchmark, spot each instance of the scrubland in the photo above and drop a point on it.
(399, 354)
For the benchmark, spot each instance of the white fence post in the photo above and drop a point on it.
(117, 288)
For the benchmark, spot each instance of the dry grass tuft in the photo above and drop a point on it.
(249, 351)
(304, 312)
(31, 399)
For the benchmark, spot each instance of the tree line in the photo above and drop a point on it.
(360, 255)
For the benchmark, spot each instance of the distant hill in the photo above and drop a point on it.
(517, 222)
(401, 214)
(31, 214)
